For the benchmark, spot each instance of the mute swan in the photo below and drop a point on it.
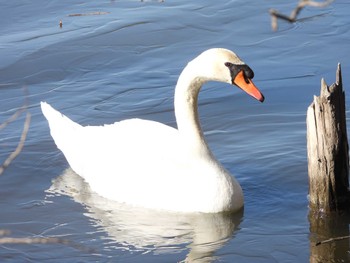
(149, 164)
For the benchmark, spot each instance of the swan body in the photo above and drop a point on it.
(149, 164)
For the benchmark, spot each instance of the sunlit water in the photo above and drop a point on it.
(102, 68)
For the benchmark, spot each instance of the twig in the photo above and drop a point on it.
(274, 14)
(293, 15)
(40, 240)
(43, 240)
(332, 240)
(32, 240)
(13, 117)
(7, 162)
(4, 232)
(20, 145)
(89, 14)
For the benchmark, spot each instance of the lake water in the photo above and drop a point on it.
(100, 68)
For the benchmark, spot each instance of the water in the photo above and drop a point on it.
(101, 68)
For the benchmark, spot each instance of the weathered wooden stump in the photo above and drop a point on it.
(327, 148)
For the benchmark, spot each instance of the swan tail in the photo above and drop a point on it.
(62, 128)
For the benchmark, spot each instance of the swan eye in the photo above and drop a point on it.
(228, 64)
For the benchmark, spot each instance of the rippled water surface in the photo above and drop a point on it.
(124, 62)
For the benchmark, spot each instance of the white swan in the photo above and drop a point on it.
(149, 164)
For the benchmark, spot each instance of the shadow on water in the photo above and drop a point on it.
(158, 232)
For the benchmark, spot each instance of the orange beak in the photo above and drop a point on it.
(248, 86)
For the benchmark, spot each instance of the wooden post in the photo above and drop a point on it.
(327, 148)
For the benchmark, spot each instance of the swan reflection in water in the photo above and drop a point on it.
(148, 230)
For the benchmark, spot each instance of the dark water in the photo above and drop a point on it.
(101, 68)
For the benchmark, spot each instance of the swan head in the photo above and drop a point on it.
(223, 65)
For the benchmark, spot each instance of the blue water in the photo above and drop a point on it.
(102, 68)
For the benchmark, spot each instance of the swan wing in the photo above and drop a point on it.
(133, 151)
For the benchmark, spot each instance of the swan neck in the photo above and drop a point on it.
(186, 109)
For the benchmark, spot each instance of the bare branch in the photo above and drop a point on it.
(90, 14)
(13, 117)
(39, 240)
(4, 232)
(332, 240)
(31, 240)
(293, 15)
(43, 240)
(318, 4)
(18, 112)
(274, 14)
(20, 145)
